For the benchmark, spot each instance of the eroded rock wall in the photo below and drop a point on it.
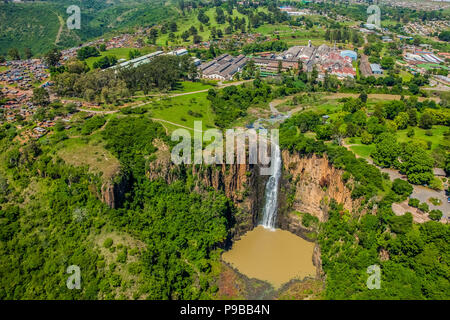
(314, 182)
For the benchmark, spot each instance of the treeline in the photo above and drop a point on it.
(162, 73)
(344, 35)
(113, 86)
(277, 46)
(232, 102)
(94, 86)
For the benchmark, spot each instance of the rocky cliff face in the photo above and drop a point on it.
(241, 183)
(112, 192)
(313, 182)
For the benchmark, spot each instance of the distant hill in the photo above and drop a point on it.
(41, 25)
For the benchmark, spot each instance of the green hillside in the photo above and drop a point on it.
(31, 24)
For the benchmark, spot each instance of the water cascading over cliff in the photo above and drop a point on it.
(271, 194)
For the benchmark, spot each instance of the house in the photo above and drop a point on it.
(439, 172)
(376, 68)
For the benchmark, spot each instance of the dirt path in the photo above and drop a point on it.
(175, 124)
(61, 26)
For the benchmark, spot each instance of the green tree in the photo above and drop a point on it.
(28, 54)
(402, 120)
(402, 188)
(366, 138)
(426, 121)
(41, 96)
(386, 151)
(13, 53)
(416, 163)
(52, 57)
(435, 215)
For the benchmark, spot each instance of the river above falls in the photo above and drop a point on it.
(275, 256)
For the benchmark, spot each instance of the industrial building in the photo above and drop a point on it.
(223, 67)
(138, 61)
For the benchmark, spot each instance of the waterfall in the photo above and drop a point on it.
(271, 194)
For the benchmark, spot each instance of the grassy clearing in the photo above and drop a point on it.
(189, 86)
(406, 76)
(120, 242)
(420, 135)
(294, 36)
(92, 154)
(183, 111)
(436, 139)
(363, 150)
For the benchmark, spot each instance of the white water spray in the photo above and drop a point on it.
(271, 195)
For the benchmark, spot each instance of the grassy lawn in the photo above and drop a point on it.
(3, 68)
(406, 76)
(436, 139)
(189, 86)
(120, 53)
(363, 150)
(419, 134)
(360, 149)
(430, 66)
(177, 109)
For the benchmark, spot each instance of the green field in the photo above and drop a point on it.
(298, 36)
(436, 139)
(363, 150)
(189, 86)
(176, 110)
(406, 76)
(430, 66)
(419, 134)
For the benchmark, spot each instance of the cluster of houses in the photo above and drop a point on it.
(420, 59)
(16, 84)
(426, 29)
(42, 127)
(434, 5)
(122, 41)
(24, 73)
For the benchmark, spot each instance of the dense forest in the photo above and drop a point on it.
(50, 217)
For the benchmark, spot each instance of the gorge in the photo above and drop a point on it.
(271, 254)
